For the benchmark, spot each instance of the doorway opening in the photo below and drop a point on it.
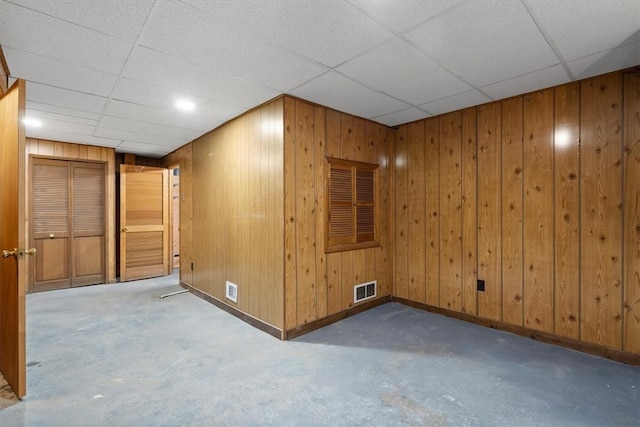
(174, 177)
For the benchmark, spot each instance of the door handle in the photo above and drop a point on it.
(124, 230)
(51, 236)
(18, 253)
(7, 254)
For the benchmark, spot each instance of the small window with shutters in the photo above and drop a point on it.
(351, 220)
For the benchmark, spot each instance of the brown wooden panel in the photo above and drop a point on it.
(348, 279)
(53, 260)
(305, 207)
(290, 261)
(144, 203)
(538, 210)
(50, 197)
(249, 134)
(401, 216)
(278, 217)
(451, 211)
(469, 212)
(432, 165)
(489, 211)
(384, 254)
(92, 265)
(601, 203)
(88, 198)
(567, 210)
(334, 284)
(512, 245)
(319, 204)
(631, 266)
(416, 194)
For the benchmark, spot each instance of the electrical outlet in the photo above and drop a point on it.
(481, 285)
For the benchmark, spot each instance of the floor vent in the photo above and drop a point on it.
(232, 292)
(364, 291)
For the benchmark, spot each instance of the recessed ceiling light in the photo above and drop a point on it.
(185, 105)
(31, 122)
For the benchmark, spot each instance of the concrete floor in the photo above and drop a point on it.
(119, 355)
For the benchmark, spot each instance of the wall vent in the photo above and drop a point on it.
(364, 291)
(232, 292)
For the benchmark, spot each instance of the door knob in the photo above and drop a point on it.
(7, 254)
(124, 229)
(31, 251)
(51, 236)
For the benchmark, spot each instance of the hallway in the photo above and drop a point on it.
(119, 355)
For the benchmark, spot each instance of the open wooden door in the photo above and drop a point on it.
(13, 363)
(145, 236)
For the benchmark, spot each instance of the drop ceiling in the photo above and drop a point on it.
(109, 72)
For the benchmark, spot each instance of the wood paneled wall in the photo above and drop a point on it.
(317, 284)
(183, 158)
(4, 73)
(238, 212)
(537, 195)
(67, 151)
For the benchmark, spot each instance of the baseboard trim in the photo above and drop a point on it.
(320, 323)
(546, 337)
(256, 323)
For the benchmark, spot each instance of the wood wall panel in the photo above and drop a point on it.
(512, 239)
(230, 237)
(416, 210)
(567, 210)
(68, 151)
(601, 203)
(432, 139)
(451, 211)
(469, 212)
(489, 210)
(631, 265)
(538, 210)
(401, 285)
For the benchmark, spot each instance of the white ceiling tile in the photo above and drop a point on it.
(605, 62)
(401, 117)
(341, 93)
(69, 113)
(76, 138)
(400, 16)
(66, 42)
(455, 102)
(163, 70)
(400, 70)
(611, 23)
(46, 116)
(139, 92)
(163, 140)
(67, 127)
(529, 82)
(45, 94)
(117, 18)
(40, 69)
(134, 126)
(327, 31)
(485, 42)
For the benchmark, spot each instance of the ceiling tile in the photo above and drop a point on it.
(455, 102)
(118, 123)
(185, 32)
(329, 32)
(163, 70)
(483, 42)
(45, 94)
(401, 117)
(66, 42)
(40, 69)
(68, 113)
(46, 116)
(164, 140)
(529, 82)
(611, 23)
(339, 92)
(116, 18)
(605, 62)
(402, 71)
(403, 15)
(76, 138)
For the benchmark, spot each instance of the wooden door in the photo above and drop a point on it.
(145, 236)
(68, 223)
(12, 239)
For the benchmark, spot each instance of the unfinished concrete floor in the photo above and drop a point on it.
(119, 355)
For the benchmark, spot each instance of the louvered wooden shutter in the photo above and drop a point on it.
(340, 205)
(365, 206)
(50, 198)
(88, 200)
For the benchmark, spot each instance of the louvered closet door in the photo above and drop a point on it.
(51, 224)
(88, 225)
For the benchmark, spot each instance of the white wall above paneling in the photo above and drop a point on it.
(121, 65)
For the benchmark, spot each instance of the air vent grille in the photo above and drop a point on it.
(232, 292)
(364, 291)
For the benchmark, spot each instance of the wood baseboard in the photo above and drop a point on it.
(317, 324)
(546, 337)
(256, 323)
